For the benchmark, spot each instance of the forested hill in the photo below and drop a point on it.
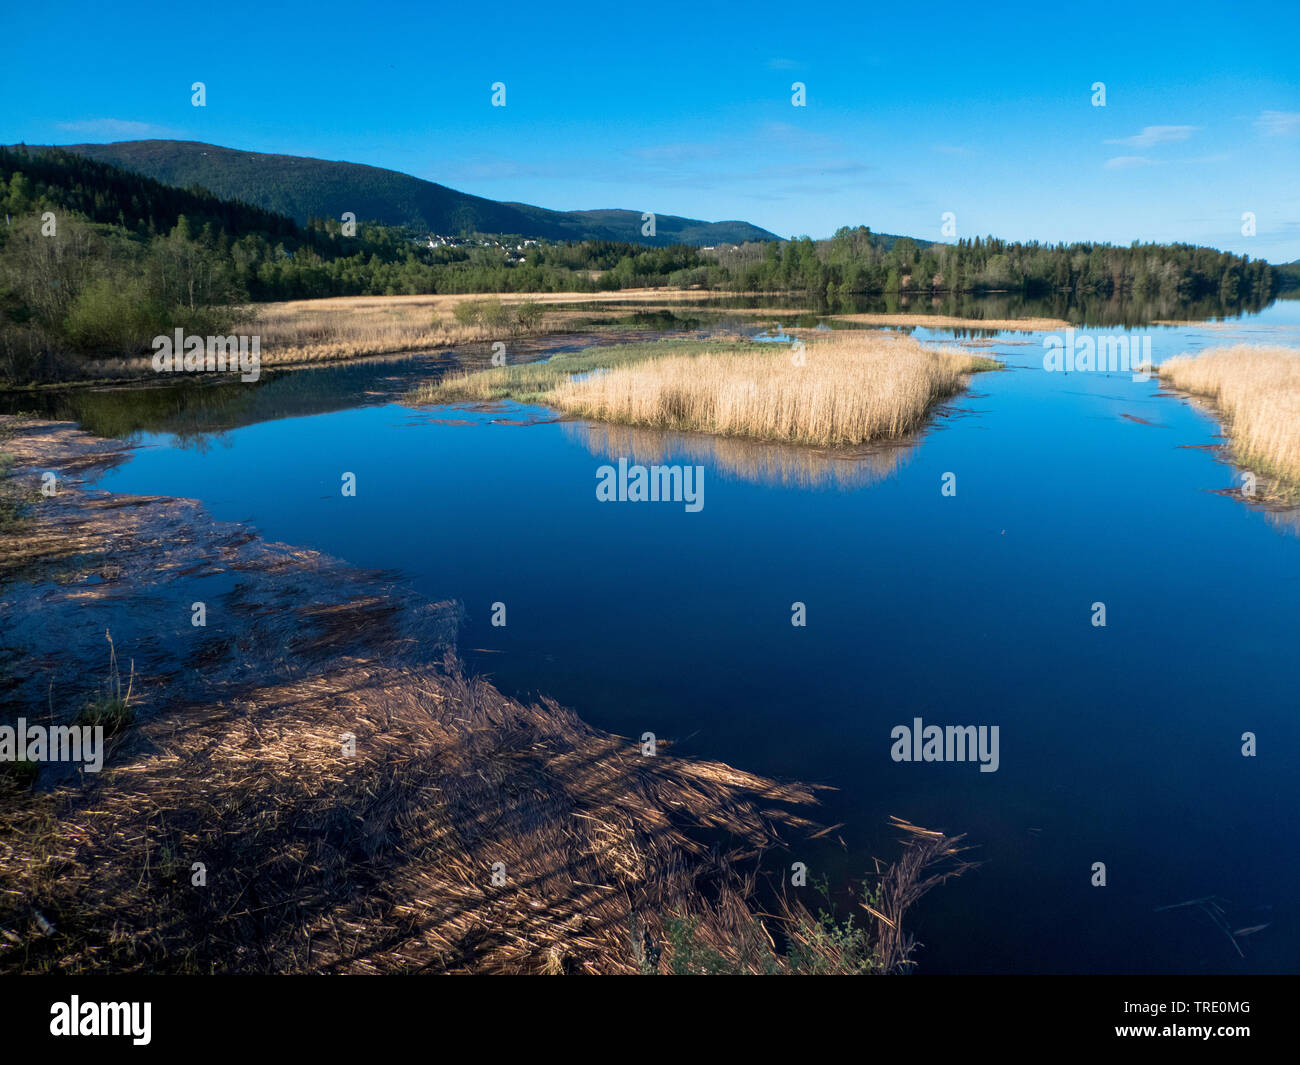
(105, 193)
(305, 188)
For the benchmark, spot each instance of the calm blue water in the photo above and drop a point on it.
(1119, 744)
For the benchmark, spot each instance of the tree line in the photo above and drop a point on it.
(856, 261)
(96, 259)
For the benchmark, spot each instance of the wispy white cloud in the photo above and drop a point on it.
(120, 128)
(1279, 123)
(1128, 162)
(1153, 135)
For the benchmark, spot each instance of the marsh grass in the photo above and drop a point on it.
(827, 942)
(844, 389)
(111, 706)
(323, 330)
(378, 862)
(848, 389)
(293, 333)
(1256, 390)
(534, 382)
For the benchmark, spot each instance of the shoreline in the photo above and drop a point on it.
(1253, 394)
(562, 306)
(138, 370)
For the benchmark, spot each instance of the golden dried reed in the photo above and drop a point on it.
(843, 390)
(1257, 391)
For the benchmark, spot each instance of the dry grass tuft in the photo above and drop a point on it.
(1257, 390)
(848, 389)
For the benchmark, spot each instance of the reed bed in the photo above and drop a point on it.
(301, 333)
(534, 382)
(321, 330)
(1256, 389)
(381, 862)
(847, 389)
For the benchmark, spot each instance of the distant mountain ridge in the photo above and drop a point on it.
(299, 186)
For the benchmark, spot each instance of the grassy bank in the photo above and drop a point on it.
(1256, 389)
(843, 389)
(309, 332)
(313, 331)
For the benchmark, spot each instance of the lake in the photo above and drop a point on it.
(1118, 744)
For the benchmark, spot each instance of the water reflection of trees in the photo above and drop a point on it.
(758, 462)
(194, 411)
(1078, 309)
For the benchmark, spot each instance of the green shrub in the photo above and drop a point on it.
(111, 317)
(528, 314)
(491, 313)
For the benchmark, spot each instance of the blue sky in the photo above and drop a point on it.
(682, 109)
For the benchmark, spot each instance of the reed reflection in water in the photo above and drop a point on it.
(757, 462)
